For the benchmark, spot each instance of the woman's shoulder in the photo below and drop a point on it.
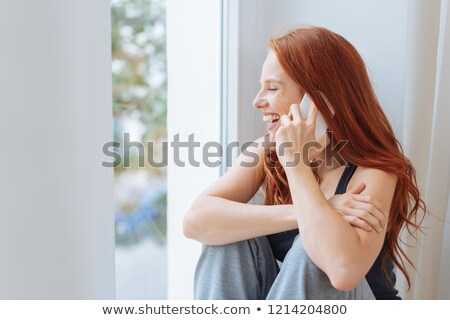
(374, 173)
(377, 181)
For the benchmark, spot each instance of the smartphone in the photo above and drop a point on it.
(321, 125)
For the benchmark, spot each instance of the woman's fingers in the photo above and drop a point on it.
(285, 120)
(354, 221)
(360, 210)
(358, 189)
(295, 112)
(369, 213)
(369, 199)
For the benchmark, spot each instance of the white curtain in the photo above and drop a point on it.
(427, 143)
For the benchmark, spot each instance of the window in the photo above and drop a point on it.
(139, 110)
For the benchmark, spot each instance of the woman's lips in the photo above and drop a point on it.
(272, 125)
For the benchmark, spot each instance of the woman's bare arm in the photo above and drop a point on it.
(221, 214)
(344, 253)
(216, 221)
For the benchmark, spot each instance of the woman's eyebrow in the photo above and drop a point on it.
(272, 80)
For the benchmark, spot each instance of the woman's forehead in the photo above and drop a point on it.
(272, 70)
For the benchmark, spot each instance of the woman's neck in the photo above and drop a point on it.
(325, 162)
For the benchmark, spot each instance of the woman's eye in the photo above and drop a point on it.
(272, 89)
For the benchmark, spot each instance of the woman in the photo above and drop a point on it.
(333, 224)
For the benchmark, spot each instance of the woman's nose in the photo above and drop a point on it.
(258, 102)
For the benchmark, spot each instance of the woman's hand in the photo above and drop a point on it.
(359, 210)
(293, 139)
(295, 136)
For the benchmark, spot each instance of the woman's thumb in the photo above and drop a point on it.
(358, 188)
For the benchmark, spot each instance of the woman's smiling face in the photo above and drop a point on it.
(278, 92)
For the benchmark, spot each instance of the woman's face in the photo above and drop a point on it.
(278, 92)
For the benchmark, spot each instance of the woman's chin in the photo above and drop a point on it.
(272, 129)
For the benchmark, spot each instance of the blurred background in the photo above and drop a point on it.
(138, 29)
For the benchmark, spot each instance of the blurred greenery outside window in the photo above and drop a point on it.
(140, 109)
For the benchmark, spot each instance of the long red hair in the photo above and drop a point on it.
(319, 60)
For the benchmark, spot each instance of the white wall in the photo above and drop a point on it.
(56, 201)
(194, 106)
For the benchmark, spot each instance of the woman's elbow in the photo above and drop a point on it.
(194, 220)
(190, 225)
(344, 279)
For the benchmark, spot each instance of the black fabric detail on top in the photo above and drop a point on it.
(282, 242)
(345, 178)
